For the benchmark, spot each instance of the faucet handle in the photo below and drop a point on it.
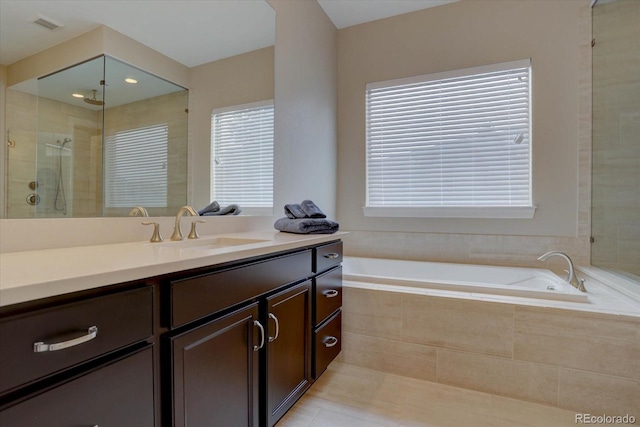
(156, 237)
(193, 234)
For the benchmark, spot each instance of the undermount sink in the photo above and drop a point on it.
(211, 243)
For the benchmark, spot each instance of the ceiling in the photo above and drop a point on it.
(192, 32)
(345, 13)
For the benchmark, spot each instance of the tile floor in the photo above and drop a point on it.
(350, 396)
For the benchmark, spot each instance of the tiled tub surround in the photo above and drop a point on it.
(577, 356)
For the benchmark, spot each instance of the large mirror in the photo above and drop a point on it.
(83, 157)
(616, 137)
(105, 137)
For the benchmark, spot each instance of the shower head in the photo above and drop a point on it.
(93, 101)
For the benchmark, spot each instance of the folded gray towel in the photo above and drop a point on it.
(306, 225)
(311, 210)
(211, 207)
(228, 210)
(294, 210)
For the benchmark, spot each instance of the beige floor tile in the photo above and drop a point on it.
(352, 396)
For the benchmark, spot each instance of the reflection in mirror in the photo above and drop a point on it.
(145, 142)
(61, 165)
(616, 137)
(235, 67)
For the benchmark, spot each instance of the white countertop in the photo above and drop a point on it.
(31, 275)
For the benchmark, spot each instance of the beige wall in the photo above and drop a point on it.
(554, 34)
(616, 136)
(241, 79)
(306, 99)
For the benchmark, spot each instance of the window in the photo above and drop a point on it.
(454, 144)
(242, 156)
(136, 167)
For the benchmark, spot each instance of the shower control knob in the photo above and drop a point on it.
(33, 199)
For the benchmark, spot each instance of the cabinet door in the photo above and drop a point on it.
(288, 349)
(215, 372)
(118, 394)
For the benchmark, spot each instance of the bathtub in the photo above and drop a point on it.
(511, 281)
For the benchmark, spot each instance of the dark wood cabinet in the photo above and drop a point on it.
(119, 319)
(215, 372)
(118, 394)
(230, 345)
(327, 343)
(195, 297)
(288, 349)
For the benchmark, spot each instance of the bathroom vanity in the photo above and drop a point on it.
(235, 340)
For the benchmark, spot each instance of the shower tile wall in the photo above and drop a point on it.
(84, 195)
(616, 136)
(22, 125)
(166, 109)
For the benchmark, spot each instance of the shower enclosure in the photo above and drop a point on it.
(94, 140)
(616, 137)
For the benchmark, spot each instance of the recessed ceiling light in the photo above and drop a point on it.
(130, 80)
(77, 95)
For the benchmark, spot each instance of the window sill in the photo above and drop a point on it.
(496, 212)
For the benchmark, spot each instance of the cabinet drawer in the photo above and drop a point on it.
(328, 343)
(120, 319)
(119, 394)
(328, 294)
(197, 297)
(327, 256)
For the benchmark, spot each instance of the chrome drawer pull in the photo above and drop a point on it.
(275, 319)
(331, 293)
(332, 255)
(40, 347)
(258, 347)
(330, 341)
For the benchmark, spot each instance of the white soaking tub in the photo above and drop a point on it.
(484, 279)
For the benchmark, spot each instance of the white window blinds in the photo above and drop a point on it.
(242, 155)
(450, 144)
(136, 167)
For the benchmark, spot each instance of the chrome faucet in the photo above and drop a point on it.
(177, 231)
(572, 278)
(139, 210)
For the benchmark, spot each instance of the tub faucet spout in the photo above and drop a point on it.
(177, 231)
(572, 278)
